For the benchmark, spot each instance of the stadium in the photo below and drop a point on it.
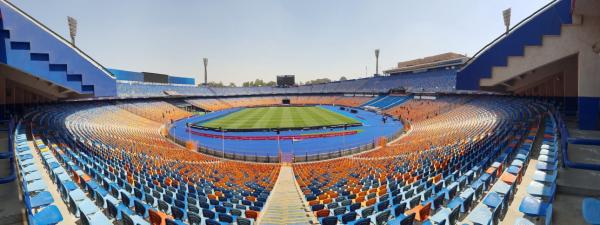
(509, 135)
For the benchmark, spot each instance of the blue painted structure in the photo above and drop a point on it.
(546, 21)
(139, 77)
(127, 75)
(181, 80)
(33, 48)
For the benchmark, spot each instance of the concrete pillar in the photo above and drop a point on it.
(589, 90)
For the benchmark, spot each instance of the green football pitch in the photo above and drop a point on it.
(279, 117)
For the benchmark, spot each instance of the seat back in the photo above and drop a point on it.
(177, 213)
(322, 213)
(225, 218)
(351, 216)
(84, 219)
(194, 219)
(127, 219)
(330, 220)
(366, 212)
(355, 206)
(170, 221)
(139, 208)
(163, 206)
(251, 214)
(339, 211)
(453, 217)
(363, 221)
(408, 220)
(424, 212)
(382, 217)
(243, 221)
(112, 210)
(155, 218)
(399, 209)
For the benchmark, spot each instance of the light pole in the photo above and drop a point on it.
(72, 28)
(205, 71)
(506, 16)
(376, 62)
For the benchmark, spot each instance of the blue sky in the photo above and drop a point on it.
(245, 40)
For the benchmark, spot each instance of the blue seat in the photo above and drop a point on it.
(48, 216)
(362, 221)
(523, 221)
(169, 221)
(533, 207)
(590, 209)
(349, 217)
(41, 199)
(329, 220)
(403, 220)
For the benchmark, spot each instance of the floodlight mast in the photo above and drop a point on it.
(72, 28)
(376, 62)
(205, 71)
(506, 16)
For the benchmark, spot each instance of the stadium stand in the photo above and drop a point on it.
(500, 138)
(158, 111)
(370, 187)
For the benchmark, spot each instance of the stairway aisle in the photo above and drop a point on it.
(285, 205)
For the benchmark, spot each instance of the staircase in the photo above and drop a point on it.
(535, 31)
(372, 101)
(285, 205)
(34, 49)
(570, 42)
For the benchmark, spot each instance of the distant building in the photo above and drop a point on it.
(448, 60)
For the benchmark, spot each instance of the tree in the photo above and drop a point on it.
(318, 81)
(231, 84)
(215, 84)
(258, 83)
(343, 78)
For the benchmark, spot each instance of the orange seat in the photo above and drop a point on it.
(251, 198)
(360, 199)
(508, 178)
(251, 214)
(370, 202)
(157, 217)
(322, 213)
(327, 201)
(423, 212)
(491, 170)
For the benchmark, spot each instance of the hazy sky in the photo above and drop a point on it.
(249, 39)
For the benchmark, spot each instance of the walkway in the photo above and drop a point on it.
(68, 218)
(285, 205)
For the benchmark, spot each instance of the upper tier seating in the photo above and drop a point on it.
(225, 103)
(432, 81)
(158, 111)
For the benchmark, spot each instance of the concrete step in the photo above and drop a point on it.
(285, 205)
(578, 182)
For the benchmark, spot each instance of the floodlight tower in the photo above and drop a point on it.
(376, 62)
(506, 15)
(72, 28)
(205, 71)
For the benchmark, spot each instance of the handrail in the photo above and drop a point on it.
(565, 141)
(60, 38)
(501, 37)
